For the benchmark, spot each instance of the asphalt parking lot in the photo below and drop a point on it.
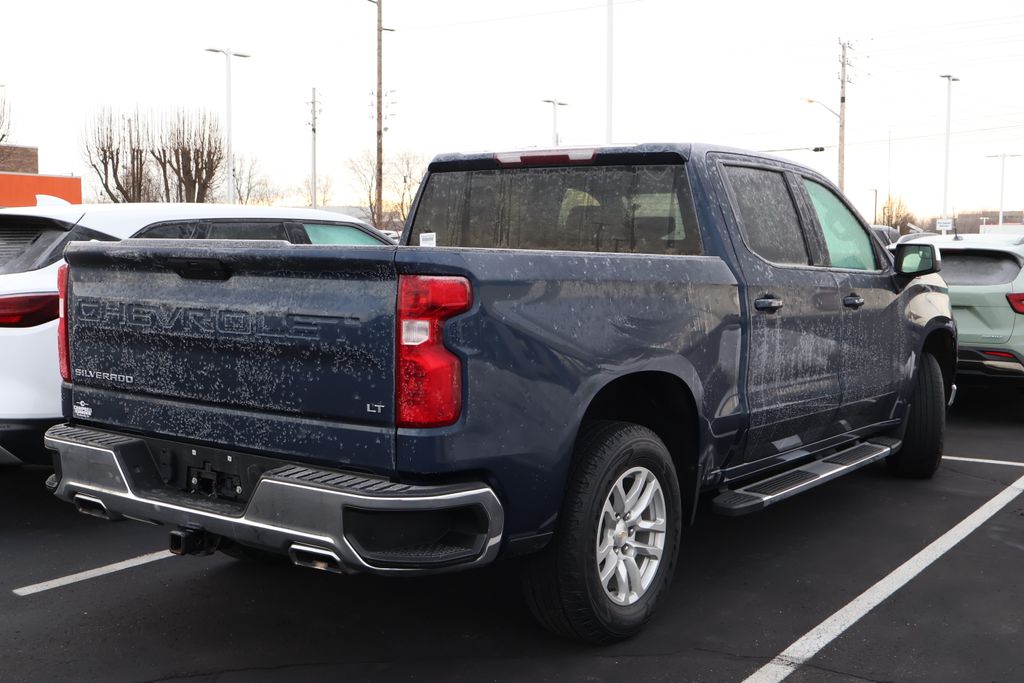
(746, 590)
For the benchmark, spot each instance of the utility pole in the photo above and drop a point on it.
(378, 212)
(949, 108)
(378, 193)
(609, 77)
(313, 113)
(843, 80)
(1002, 178)
(555, 104)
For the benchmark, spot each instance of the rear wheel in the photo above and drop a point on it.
(921, 452)
(617, 537)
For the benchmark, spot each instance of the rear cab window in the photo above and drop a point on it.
(638, 209)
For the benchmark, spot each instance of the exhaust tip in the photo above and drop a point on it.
(94, 507)
(312, 557)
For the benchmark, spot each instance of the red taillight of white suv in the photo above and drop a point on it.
(27, 310)
(1016, 302)
(63, 348)
(428, 380)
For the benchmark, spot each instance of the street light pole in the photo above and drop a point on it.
(1002, 178)
(949, 102)
(841, 115)
(228, 54)
(555, 104)
(609, 63)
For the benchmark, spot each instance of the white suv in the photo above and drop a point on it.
(32, 241)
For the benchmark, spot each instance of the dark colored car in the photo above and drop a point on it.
(571, 349)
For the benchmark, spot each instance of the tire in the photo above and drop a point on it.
(921, 453)
(562, 583)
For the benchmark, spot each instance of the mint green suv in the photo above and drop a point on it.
(986, 288)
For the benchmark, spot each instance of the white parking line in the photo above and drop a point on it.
(92, 573)
(1010, 463)
(824, 633)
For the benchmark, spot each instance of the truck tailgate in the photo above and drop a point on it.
(274, 348)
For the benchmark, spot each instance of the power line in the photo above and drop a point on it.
(514, 17)
(904, 138)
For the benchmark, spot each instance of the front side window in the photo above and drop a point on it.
(849, 245)
(327, 233)
(767, 214)
(642, 209)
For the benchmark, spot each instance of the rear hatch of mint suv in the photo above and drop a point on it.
(264, 348)
(986, 289)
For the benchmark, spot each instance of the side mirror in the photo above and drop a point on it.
(914, 259)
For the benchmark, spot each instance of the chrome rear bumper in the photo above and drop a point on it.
(291, 507)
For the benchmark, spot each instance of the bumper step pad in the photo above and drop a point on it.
(760, 494)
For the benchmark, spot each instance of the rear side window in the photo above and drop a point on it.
(643, 209)
(979, 268)
(247, 230)
(768, 217)
(326, 233)
(168, 231)
(849, 245)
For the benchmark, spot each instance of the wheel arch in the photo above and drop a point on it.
(665, 404)
(941, 343)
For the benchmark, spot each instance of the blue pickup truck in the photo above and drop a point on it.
(567, 352)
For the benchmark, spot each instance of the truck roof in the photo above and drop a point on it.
(683, 150)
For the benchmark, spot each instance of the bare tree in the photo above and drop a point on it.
(115, 147)
(896, 214)
(364, 178)
(403, 179)
(251, 183)
(324, 190)
(188, 149)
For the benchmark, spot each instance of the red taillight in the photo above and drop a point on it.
(1016, 302)
(1000, 354)
(428, 382)
(63, 348)
(28, 310)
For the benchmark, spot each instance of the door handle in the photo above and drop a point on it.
(768, 304)
(853, 301)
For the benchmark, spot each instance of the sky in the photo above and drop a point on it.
(464, 75)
